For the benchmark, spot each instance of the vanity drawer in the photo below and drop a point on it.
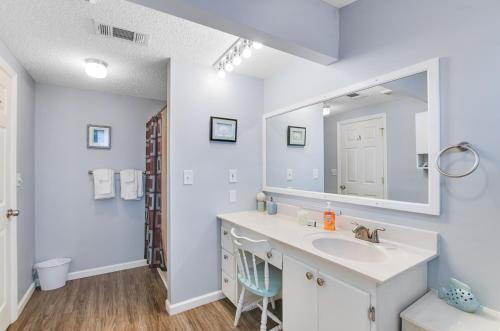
(276, 259)
(227, 262)
(225, 239)
(229, 288)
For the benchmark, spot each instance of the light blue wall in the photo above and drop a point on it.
(301, 159)
(385, 35)
(70, 223)
(194, 237)
(25, 166)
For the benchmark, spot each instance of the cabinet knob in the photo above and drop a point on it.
(226, 280)
(320, 281)
(225, 257)
(225, 232)
(309, 275)
(269, 255)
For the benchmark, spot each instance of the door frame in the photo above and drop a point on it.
(383, 116)
(12, 223)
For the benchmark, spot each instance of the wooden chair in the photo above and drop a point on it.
(257, 276)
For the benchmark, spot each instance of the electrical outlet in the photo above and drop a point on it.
(233, 175)
(188, 177)
(333, 172)
(315, 173)
(289, 174)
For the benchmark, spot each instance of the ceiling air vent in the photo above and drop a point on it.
(111, 31)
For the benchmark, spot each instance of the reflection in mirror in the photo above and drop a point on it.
(369, 143)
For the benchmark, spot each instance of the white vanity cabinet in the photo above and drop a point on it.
(314, 300)
(322, 292)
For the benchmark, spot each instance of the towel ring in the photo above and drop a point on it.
(463, 147)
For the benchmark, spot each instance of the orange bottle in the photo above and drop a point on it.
(329, 218)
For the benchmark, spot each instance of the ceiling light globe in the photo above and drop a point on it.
(96, 68)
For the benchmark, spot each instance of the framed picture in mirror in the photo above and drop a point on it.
(296, 136)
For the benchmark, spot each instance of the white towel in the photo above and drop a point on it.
(140, 184)
(131, 184)
(104, 184)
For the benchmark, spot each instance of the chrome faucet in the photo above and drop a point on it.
(363, 233)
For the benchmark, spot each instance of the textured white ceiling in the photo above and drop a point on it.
(340, 3)
(52, 38)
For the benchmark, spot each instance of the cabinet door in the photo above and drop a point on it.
(300, 310)
(341, 306)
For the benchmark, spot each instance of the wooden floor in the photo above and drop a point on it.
(126, 300)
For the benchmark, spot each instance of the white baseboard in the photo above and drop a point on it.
(163, 276)
(26, 297)
(180, 307)
(106, 269)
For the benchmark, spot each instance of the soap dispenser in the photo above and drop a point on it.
(329, 218)
(272, 207)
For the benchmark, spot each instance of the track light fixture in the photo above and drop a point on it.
(232, 57)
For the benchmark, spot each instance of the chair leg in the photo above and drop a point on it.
(263, 319)
(239, 308)
(273, 303)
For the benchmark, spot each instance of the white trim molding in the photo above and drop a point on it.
(106, 269)
(176, 308)
(26, 297)
(163, 276)
(433, 206)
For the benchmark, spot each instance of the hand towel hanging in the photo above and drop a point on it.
(104, 184)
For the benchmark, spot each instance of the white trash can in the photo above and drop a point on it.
(53, 273)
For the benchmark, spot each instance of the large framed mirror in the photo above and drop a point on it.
(373, 143)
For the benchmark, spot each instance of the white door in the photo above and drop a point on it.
(341, 307)
(300, 311)
(361, 156)
(5, 198)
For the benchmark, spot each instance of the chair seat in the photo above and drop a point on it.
(260, 290)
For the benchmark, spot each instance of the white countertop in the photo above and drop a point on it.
(433, 314)
(286, 230)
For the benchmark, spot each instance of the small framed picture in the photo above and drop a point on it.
(296, 136)
(98, 136)
(223, 129)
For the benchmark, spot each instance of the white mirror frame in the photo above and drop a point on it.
(432, 207)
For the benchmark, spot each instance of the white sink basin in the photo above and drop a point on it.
(350, 250)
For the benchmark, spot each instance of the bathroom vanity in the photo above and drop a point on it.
(332, 281)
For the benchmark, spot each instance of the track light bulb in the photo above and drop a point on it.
(247, 52)
(256, 45)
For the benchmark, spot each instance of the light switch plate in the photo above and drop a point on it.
(315, 173)
(289, 174)
(188, 177)
(19, 180)
(232, 196)
(333, 172)
(233, 175)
